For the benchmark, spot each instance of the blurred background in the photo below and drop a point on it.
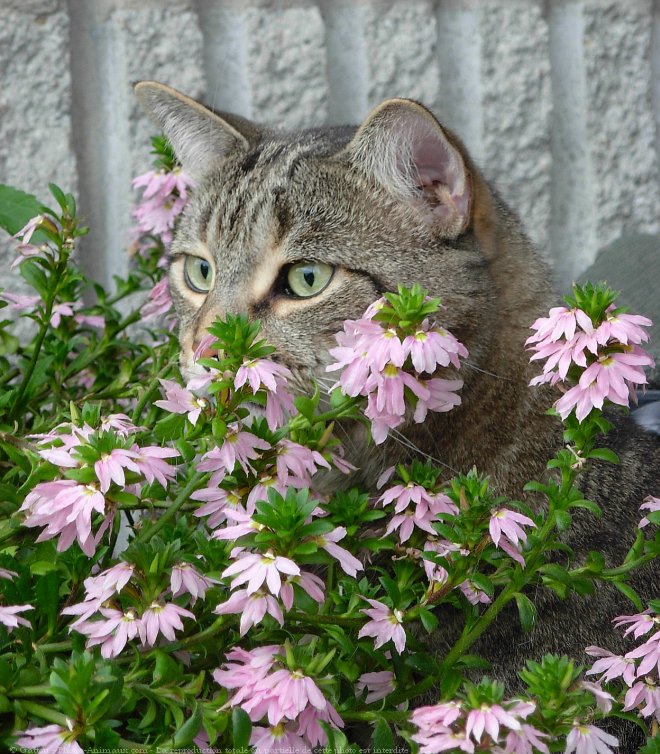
(558, 101)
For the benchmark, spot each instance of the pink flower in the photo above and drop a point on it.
(430, 349)
(378, 685)
(258, 372)
(51, 739)
(639, 624)
(238, 447)
(252, 607)
(9, 575)
(644, 692)
(506, 531)
(257, 568)
(9, 617)
(150, 463)
(649, 653)
(110, 468)
(297, 463)
(651, 504)
(423, 500)
(385, 624)
(603, 698)
(310, 583)
(276, 739)
(562, 323)
(525, 740)
(161, 618)
(406, 522)
(473, 593)
(113, 632)
(98, 589)
(19, 302)
(186, 578)
(436, 716)
(159, 300)
(244, 526)
(488, 719)
(246, 669)
(65, 508)
(309, 727)
(65, 309)
(434, 571)
(350, 564)
(441, 397)
(389, 385)
(164, 197)
(625, 328)
(283, 694)
(181, 401)
(120, 423)
(617, 373)
(611, 666)
(218, 503)
(588, 739)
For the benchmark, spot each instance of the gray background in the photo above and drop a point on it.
(558, 100)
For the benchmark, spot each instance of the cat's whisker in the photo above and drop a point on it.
(406, 442)
(485, 371)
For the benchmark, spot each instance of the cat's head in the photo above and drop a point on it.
(305, 229)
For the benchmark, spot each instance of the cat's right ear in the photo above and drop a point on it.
(201, 139)
(415, 159)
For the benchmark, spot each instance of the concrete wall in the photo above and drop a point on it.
(559, 100)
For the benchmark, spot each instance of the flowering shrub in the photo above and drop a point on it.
(174, 571)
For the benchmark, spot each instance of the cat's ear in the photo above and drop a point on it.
(200, 138)
(402, 145)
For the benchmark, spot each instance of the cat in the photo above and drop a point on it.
(305, 229)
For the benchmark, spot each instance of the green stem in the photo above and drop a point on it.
(318, 620)
(45, 713)
(45, 325)
(181, 498)
(611, 573)
(418, 689)
(58, 646)
(28, 691)
(9, 375)
(189, 641)
(372, 717)
(151, 389)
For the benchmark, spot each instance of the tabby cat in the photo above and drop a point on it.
(305, 229)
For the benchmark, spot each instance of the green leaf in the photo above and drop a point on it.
(630, 593)
(241, 729)
(429, 621)
(604, 454)
(382, 739)
(527, 611)
(16, 208)
(184, 736)
(47, 592)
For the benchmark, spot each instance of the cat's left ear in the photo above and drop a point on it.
(402, 145)
(200, 138)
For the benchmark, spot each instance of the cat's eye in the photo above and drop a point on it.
(198, 273)
(307, 279)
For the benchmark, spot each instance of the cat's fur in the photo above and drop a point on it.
(399, 200)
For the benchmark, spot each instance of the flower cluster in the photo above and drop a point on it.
(111, 624)
(385, 360)
(639, 668)
(163, 198)
(94, 463)
(267, 684)
(498, 727)
(595, 345)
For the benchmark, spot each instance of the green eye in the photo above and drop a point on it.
(198, 273)
(306, 279)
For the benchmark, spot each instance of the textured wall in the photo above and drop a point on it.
(559, 100)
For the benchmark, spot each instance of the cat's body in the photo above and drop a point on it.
(398, 201)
